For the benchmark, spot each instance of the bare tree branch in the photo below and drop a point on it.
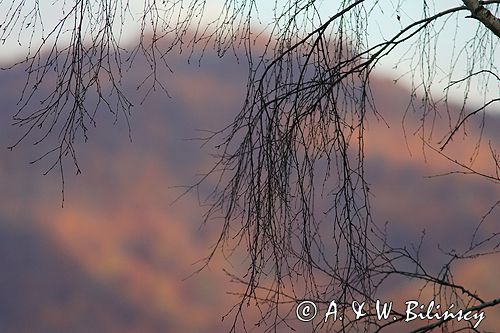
(482, 14)
(292, 191)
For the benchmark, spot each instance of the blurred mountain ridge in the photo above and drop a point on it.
(114, 258)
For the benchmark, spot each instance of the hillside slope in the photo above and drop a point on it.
(114, 258)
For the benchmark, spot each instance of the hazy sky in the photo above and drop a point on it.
(383, 24)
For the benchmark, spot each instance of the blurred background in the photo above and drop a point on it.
(116, 257)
